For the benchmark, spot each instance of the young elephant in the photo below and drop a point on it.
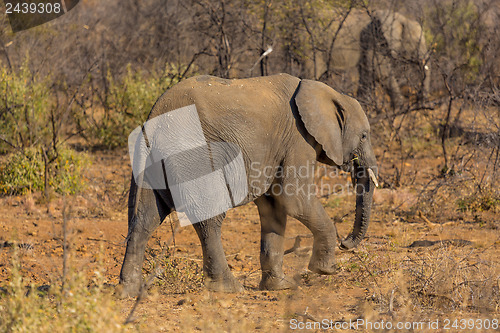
(237, 131)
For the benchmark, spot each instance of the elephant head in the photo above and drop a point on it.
(341, 133)
(370, 47)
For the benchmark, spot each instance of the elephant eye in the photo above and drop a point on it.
(364, 136)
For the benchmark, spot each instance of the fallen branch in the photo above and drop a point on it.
(307, 316)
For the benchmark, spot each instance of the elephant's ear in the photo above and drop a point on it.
(322, 110)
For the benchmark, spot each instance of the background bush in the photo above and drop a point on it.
(107, 118)
(25, 101)
(24, 171)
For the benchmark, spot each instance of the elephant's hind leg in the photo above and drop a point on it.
(218, 277)
(151, 211)
(273, 224)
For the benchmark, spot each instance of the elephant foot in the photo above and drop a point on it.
(270, 282)
(124, 290)
(325, 266)
(227, 284)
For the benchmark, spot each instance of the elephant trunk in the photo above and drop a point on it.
(366, 181)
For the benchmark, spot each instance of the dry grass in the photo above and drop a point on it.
(77, 305)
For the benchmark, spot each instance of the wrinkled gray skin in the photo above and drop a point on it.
(275, 120)
(376, 46)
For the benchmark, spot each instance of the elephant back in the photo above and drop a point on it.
(403, 36)
(347, 47)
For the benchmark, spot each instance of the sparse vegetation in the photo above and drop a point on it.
(479, 203)
(25, 114)
(74, 303)
(24, 172)
(179, 275)
(109, 118)
(445, 282)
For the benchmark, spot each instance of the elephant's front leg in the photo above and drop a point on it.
(308, 210)
(218, 277)
(273, 224)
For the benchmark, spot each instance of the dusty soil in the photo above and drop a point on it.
(383, 279)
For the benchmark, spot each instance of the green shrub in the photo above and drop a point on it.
(454, 31)
(25, 171)
(25, 103)
(69, 168)
(479, 203)
(22, 172)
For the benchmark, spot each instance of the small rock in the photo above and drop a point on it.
(185, 301)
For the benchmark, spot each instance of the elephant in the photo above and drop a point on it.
(380, 46)
(277, 123)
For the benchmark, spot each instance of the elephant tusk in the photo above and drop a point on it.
(373, 177)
